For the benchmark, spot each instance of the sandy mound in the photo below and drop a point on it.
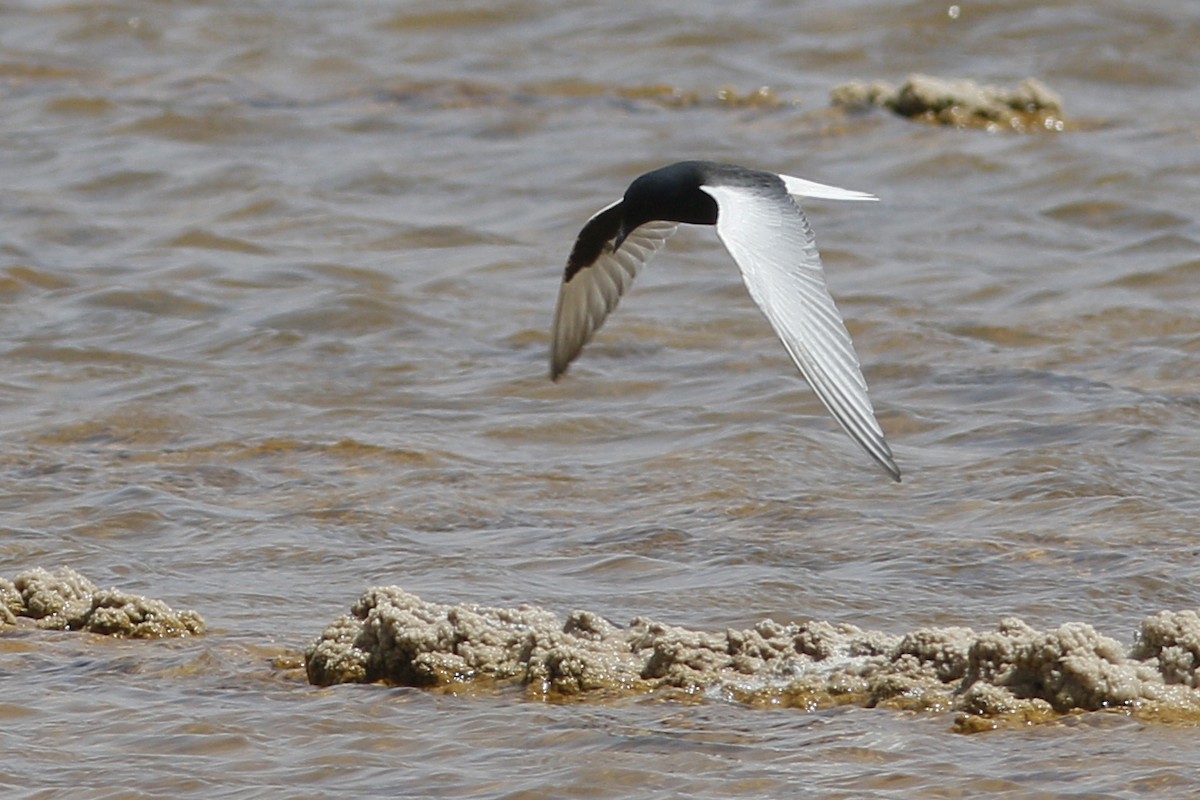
(1014, 673)
(1029, 108)
(65, 600)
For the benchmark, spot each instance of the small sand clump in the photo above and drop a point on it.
(1014, 674)
(1170, 641)
(1029, 108)
(66, 600)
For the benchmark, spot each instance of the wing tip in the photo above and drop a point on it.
(886, 462)
(560, 363)
(557, 367)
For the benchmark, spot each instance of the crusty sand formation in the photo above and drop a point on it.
(1029, 108)
(1014, 673)
(66, 600)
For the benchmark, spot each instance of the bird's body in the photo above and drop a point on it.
(770, 240)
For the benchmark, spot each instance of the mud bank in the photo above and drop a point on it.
(1012, 674)
(1029, 108)
(65, 600)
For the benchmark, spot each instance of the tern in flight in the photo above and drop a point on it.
(770, 240)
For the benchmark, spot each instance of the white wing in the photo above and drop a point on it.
(769, 238)
(588, 295)
(803, 188)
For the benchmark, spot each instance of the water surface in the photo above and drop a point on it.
(276, 288)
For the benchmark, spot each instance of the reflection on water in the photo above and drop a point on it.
(276, 290)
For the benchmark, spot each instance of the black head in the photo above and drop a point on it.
(671, 194)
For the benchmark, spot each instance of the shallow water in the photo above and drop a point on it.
(276, 287)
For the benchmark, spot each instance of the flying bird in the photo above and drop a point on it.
(770, 240)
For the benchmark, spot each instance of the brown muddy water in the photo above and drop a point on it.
(277, 281)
